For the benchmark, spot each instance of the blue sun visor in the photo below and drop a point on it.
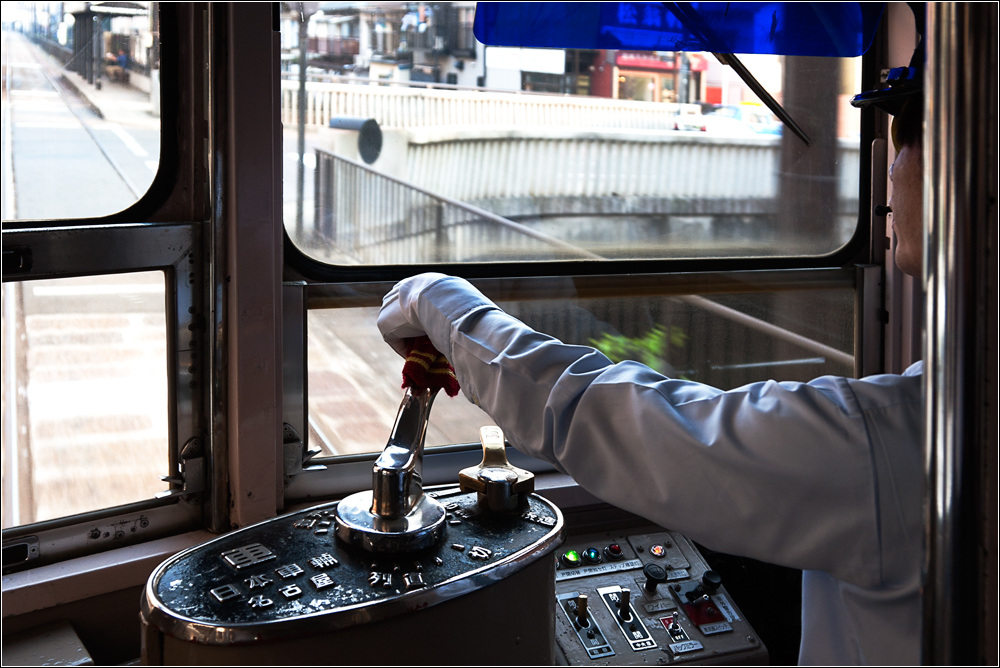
(841, 29)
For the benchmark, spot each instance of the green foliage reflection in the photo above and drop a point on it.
(652, 348)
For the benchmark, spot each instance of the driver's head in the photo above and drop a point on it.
(903, 98)
(907, 175)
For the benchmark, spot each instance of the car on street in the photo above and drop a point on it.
(746, 119)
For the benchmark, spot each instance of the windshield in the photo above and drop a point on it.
(408, 141)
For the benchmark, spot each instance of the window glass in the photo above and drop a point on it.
(84, 394)
(80, 107)
(491, 154)
(354, 389)
(723, 340)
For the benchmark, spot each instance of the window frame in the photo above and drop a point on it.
(341, 475)
(851, 263)
(858, 250)
(161, 231)
(174, 249)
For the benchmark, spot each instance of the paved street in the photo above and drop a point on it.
(354, 387)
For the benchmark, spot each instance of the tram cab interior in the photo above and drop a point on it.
(277, 393)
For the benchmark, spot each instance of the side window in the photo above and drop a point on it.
(82, 89)
(101, 303)
(415, 151)
(84, 394)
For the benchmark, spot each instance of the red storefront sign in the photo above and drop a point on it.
(697, 62)
(647, 61)
(641, 60)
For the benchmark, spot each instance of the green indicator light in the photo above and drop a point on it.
(571, 558)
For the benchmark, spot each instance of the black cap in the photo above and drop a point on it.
(903, 82)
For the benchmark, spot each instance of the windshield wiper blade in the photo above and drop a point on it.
(765, 97)
(703, 32)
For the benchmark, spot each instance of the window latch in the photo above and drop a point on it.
(296, 455)
(16, 260)
(192, 471)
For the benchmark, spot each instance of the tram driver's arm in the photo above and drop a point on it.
(739, 471)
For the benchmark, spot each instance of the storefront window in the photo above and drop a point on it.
(639, 87)
(667, 93)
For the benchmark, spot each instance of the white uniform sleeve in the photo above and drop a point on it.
(781, 472)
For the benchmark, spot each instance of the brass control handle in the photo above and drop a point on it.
(501, 486)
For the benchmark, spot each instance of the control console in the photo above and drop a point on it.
(393, 575)
(646, 597)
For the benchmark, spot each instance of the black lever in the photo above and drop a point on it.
(655, 574)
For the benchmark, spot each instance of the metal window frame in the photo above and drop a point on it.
(857, 264)
(164, 230)
(176, 250)
(345, 474)
(300, 266)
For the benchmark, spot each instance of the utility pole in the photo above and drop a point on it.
(306, 10)
(300, 184)
(807, 183)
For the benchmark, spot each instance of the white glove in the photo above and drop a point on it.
(398, 320)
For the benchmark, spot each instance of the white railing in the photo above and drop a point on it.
(473, 164)
(393, 106)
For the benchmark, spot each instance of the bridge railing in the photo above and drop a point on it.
(412, 107)
(363, 216)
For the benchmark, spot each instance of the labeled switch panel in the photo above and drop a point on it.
(619, 604)
(591, 638)
(646, 598)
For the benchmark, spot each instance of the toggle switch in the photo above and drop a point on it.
(582, 616)
(624, 605)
